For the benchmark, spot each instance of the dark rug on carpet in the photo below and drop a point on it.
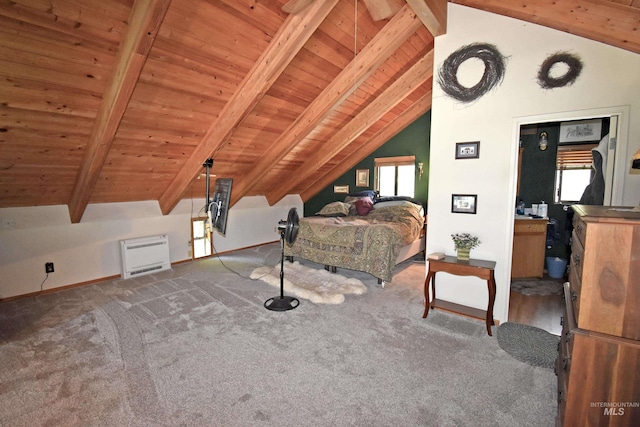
(537, 286)
(529, 344)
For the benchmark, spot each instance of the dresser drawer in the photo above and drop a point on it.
(577, 256)
(563, 365)
(530, 226)
(563, 380)
(575, 288)
(579, 229)
(568, 325)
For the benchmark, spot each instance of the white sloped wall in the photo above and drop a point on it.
(90, 250)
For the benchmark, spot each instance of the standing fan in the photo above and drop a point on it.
(288, 233)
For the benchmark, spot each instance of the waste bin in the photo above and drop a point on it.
(556, 267)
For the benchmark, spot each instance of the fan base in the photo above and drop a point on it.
(281, 303)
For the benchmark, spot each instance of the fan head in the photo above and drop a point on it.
(290, 226)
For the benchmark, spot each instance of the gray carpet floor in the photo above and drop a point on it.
(194, 346)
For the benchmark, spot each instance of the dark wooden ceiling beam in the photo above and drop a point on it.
(144, 22)
(604, 21)
(407, 117)
(419, 73)
(284, 46)
(385, 43)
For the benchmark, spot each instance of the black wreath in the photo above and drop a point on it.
(494, 67)
(575, 68)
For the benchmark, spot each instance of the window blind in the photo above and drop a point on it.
(395, 161)
(575, 156)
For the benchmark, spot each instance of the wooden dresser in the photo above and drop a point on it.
(529, 240)
(598, 365)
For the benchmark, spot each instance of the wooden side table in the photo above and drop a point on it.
(473, 267)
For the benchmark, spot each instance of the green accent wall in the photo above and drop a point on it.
(537, 181)
(412, 141)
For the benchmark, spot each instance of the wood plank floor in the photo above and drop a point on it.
(543, 312)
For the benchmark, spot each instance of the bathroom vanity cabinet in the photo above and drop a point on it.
(529, 240)
(598, 363)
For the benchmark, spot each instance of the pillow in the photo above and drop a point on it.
(405, 203)
(397, 198)
(365, 193)
(363, 206)
(351, 200)
(388, 203)
(334, 209)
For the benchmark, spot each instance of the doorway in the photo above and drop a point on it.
(556, 167)
(540, 311)
(618, 136)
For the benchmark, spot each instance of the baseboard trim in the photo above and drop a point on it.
(59, 288)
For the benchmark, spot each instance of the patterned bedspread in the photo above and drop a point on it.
(365, 243)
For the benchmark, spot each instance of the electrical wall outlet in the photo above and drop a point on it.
(48, 267)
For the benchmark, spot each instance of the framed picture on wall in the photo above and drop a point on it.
(342, 189)
(362, 177)
(581, 131)
(464, 203)
(468, 150)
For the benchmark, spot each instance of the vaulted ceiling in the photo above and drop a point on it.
(124, 100)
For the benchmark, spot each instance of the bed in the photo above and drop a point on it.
(370, 240)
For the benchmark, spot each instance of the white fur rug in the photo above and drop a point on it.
(318, 286)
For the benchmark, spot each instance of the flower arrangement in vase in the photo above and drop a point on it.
(464, 242)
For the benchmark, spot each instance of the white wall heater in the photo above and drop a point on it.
(145, 255)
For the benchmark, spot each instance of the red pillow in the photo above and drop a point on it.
(364, 206)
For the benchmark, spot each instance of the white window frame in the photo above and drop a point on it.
(200, 240)
(571, 157)
(394, 161)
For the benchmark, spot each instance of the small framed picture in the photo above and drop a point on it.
(464, 203)
(581, 131)
(342, 189)
(362, 177)
(468, 150)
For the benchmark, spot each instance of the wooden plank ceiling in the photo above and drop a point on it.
(124, 100)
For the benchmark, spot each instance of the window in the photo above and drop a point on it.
(395, 176)
(573, 171)
(200, 238)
